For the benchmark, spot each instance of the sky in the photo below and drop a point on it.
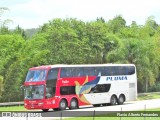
(34, 13)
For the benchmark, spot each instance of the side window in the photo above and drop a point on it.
(76, 72)
(101, 88)
(131, 70)
(50, 92)
(52, 74)
(81, 73)
(109, 71)
(67, 90)
(119, 70)
(89, 71)
(100, 71)
(66, 72)
(51, 82)
(116, 70)
(104, 87)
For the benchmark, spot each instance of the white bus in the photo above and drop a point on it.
(120, 80)
(76, 85)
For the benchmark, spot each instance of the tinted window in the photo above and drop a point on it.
(77, 71)
(101, 88)
(36, 75)
(90, 71)
(52, 74)
(51, 82)
(50, 91)
(67, 90)
(109, 71)
(114, 70)
(34, 92)
(100, 71)
(66, 72)
(130, 70)
(119, 70)
(122, 70)
(95, 71)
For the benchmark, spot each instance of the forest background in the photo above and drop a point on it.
(72, 41)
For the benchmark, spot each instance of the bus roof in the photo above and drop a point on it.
(78, 65)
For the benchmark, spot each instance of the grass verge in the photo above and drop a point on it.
(109, 116)
(147, 96)
(13, 108)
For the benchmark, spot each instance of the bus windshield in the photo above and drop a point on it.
(34, 92)
(36, 75)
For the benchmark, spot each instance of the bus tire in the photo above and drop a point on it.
(121, 99)
(45, 110)
(73, 104)
(62, 104)
(113, 100)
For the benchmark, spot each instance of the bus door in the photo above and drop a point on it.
(51, 86)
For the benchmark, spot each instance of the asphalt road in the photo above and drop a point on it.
(89, 110)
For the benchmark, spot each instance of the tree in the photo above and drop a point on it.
(20, 31)
(116, 24)
(10, 48)
(131, 31)
(1, 85)
(3, 23)
(151, 26)
(2, 9)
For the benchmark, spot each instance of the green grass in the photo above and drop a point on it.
(13, 108)
(114, 118)
(148, 96)
(109, 117)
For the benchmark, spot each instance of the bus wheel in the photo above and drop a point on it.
(113, 100)
(45, 110)
(73, 104)
(121, 99)
(63, 105)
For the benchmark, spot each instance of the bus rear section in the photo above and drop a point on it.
(76, 85)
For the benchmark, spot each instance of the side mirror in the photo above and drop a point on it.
(22, 87)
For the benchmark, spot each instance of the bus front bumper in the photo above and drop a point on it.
(34, 105)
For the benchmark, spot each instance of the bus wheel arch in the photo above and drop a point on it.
(74, 103)
(121, 99)
(113, 100)
(45, 110)
(63, 104)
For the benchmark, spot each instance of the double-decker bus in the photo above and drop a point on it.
(69, 86)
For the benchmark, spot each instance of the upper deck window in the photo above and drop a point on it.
(35, 75)
(53, 74)
(97, 71)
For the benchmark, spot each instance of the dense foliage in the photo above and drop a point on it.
(72, 41)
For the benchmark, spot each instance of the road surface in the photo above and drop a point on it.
(85, 110)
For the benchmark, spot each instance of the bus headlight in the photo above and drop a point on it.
(53, 102)
(25, 104)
